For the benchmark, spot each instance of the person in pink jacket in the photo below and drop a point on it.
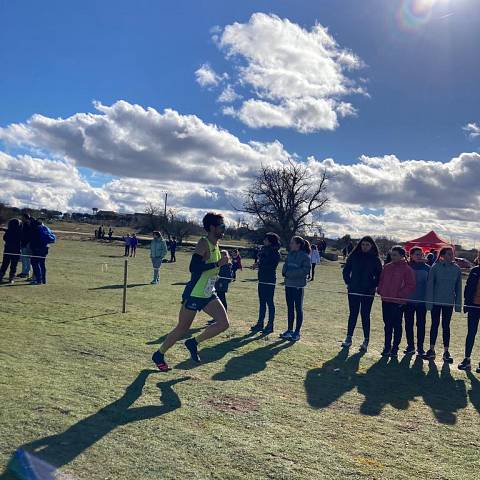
(397, 282)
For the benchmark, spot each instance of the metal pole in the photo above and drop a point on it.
(125, 281)
(166, 198)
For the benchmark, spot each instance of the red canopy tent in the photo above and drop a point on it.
(428, 242)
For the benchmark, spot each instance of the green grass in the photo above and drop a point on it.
(76, 385)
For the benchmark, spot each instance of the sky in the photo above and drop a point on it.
(110, 104)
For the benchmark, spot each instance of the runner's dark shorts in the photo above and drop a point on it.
(196, 303)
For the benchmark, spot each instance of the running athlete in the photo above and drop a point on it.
(199, 294)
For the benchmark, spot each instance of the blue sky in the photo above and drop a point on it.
(422, 76)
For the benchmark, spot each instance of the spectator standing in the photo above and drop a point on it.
(361, 275)
(127, 243)
(315, 259)
(444, 293)
(42, 237)
(236, 263)
(26, 250)
(416, 306)
(397, 282)
(158, 251)
(173, 250)
(12, 249)
(267, 263)
(110, 233)
(223, 282)
(133, 245)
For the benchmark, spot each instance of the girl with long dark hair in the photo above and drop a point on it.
(361, 275)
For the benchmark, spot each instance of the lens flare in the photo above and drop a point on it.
(415, 13)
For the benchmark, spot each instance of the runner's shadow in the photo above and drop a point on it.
(218, 351)
(180, 283)
(252, 362)
(443, 394)
(390, 383)
(474, 392)
(333, 379)
(59, 450)
(161, 339)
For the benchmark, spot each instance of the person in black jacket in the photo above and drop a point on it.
(361, 275)
(471, 307)
(267, 263)
(11, 252)
(26, 250)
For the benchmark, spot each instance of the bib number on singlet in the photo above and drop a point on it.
(210, 286)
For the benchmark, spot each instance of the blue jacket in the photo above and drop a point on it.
(421, 271)
(296, 268)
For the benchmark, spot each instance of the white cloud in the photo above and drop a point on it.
(204, 167)
(472, 129)
(127, 140)
(229, 95)
(206, 76)
(43, 183)
(297, 77)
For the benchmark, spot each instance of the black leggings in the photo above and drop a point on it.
(294, 297)
(420, 310)
(446, 314)
(222, 296)
(392, 319)
(265, 297)
(363, 305)
(473, 319)
(312, 275)
(9, 261)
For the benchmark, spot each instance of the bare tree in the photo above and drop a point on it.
(287, 199)
(154, 221)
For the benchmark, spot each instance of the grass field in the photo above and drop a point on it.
(77, 388)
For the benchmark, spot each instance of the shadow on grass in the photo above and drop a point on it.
(91, 317)
(120, 286)
(389, 382)
(180, 283)
(218, 351)
(161, 339)
(59, 450)
(251, 362)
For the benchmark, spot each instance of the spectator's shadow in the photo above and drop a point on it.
(328, 383)
(474, 392)
(120, 286)
(251, 362)
(388, 382)
(59, 450)
(443, 394)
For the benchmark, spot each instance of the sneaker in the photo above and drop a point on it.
(347, 343)
(430, 355)
(295, 337)
(11, 282)
(22, 275)
(211, 322)
(465, 365)
(420, 352)
(394, 353)
(192, 347)
(258, 327)
(268, 329)
(409, 350)
(153, 282)
(447, 358)
(287, 335)
(386, 352)
(158, 359)
(34, 282)
(478, 369)
(364, 346)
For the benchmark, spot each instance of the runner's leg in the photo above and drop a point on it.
(185, 319)
(216, 310)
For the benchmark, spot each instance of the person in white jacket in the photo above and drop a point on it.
(315, 258)
(158, 250)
